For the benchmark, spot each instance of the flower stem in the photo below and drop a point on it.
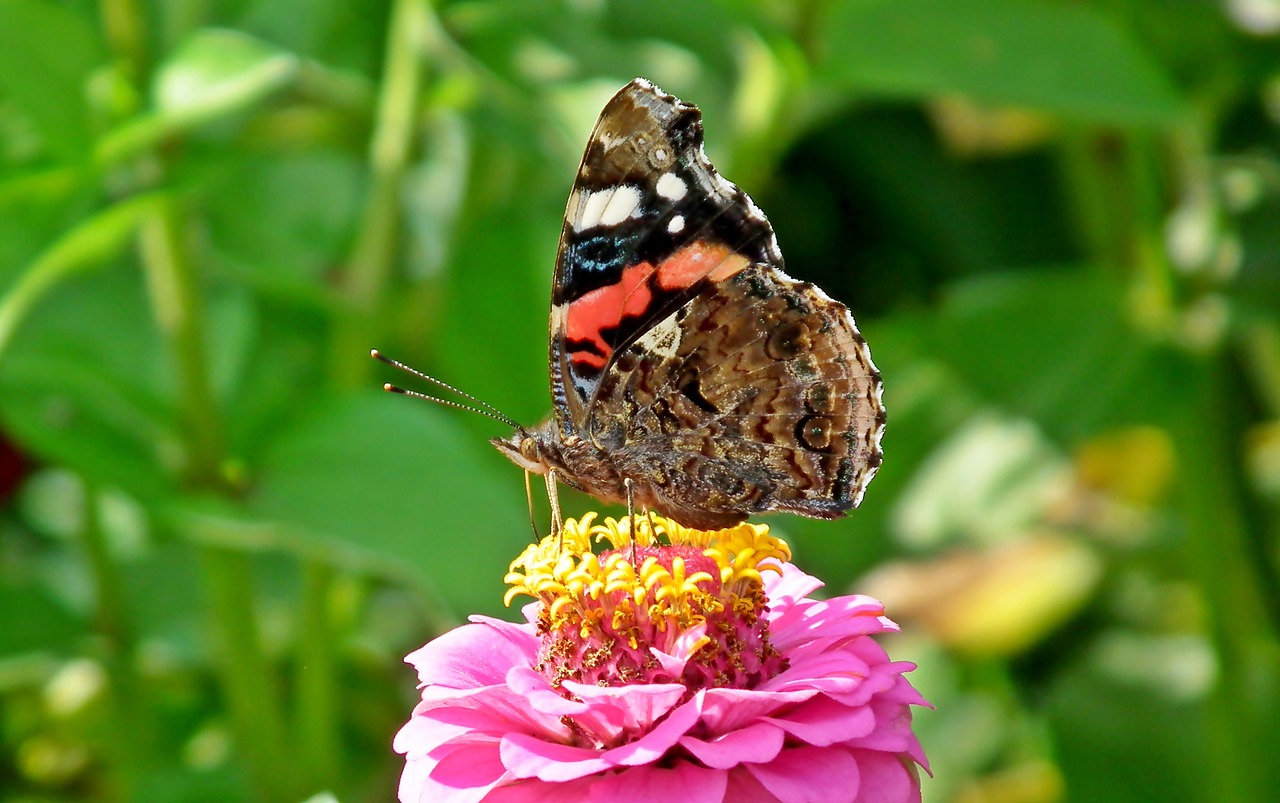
(317, 733)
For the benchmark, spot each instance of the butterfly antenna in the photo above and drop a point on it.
(485, 409)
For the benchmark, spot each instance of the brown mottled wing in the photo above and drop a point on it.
(767, 400)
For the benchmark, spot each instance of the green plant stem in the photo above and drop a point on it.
(317, 726)
(251, 697)
(368, 273)
(1145, 249)
(124, 21)
(1087, 169)
(130, 709)
(1218, 555)
(246, 676)
(176, 302)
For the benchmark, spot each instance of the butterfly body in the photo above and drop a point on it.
(682, 358)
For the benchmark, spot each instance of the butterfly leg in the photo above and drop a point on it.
(631, 516)
(528, 498)
(553, 496)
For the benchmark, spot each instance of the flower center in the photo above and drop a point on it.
(687, 611)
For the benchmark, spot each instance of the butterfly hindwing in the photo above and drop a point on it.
(763, 397)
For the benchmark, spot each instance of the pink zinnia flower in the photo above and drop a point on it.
(705, 674)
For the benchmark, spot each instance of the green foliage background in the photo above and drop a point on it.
(1057, 222)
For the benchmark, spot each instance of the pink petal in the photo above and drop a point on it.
(654, 744)
(474, 655)
(688, 642)
(886, 779)
(535, 791)
(684, 782)
(671, 664)
(419, 736)
(892, 733)
(744, 788)
(755, 744)
(496, 709)
(726, 710)
(828, 619)
(537, 693)
(473, 765)
(823, 721)
(832, 673)
(789, 587)
(528, 757)
(903, 692)
(468, 782)
(641, 705)
(810, 775)
(415, 776)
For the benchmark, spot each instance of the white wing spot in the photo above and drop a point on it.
(590, 209)
(624, 202)
(672, 187)
(676, 225)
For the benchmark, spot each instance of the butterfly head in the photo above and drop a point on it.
(533, 450)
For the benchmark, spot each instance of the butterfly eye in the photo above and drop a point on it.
(529, 450)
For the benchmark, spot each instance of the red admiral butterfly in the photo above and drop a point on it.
(689, 374)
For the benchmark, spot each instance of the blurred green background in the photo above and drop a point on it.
(1058, 224)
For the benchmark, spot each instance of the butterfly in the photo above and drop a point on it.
(690, 375)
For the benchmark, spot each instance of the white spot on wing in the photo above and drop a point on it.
(623, 204)
(573, 208)
(591, 209)
(672, 187)
(676, 224)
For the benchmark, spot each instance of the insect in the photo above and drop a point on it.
(689, 374)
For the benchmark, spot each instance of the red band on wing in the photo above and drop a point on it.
(604, 308)
(699, 260)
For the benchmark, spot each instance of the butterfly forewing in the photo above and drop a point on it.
(648, 220)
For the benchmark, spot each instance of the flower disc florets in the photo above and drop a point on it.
(688, 611)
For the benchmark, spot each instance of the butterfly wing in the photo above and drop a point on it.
(629, 250)
(718, 383)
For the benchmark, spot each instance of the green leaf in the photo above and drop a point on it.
(386, 475)
(47, 53)
(313, 198)
(86, 386)
(1067, 59)
(219, 68)
(214, 76)
(34, 621)
(88, 245)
